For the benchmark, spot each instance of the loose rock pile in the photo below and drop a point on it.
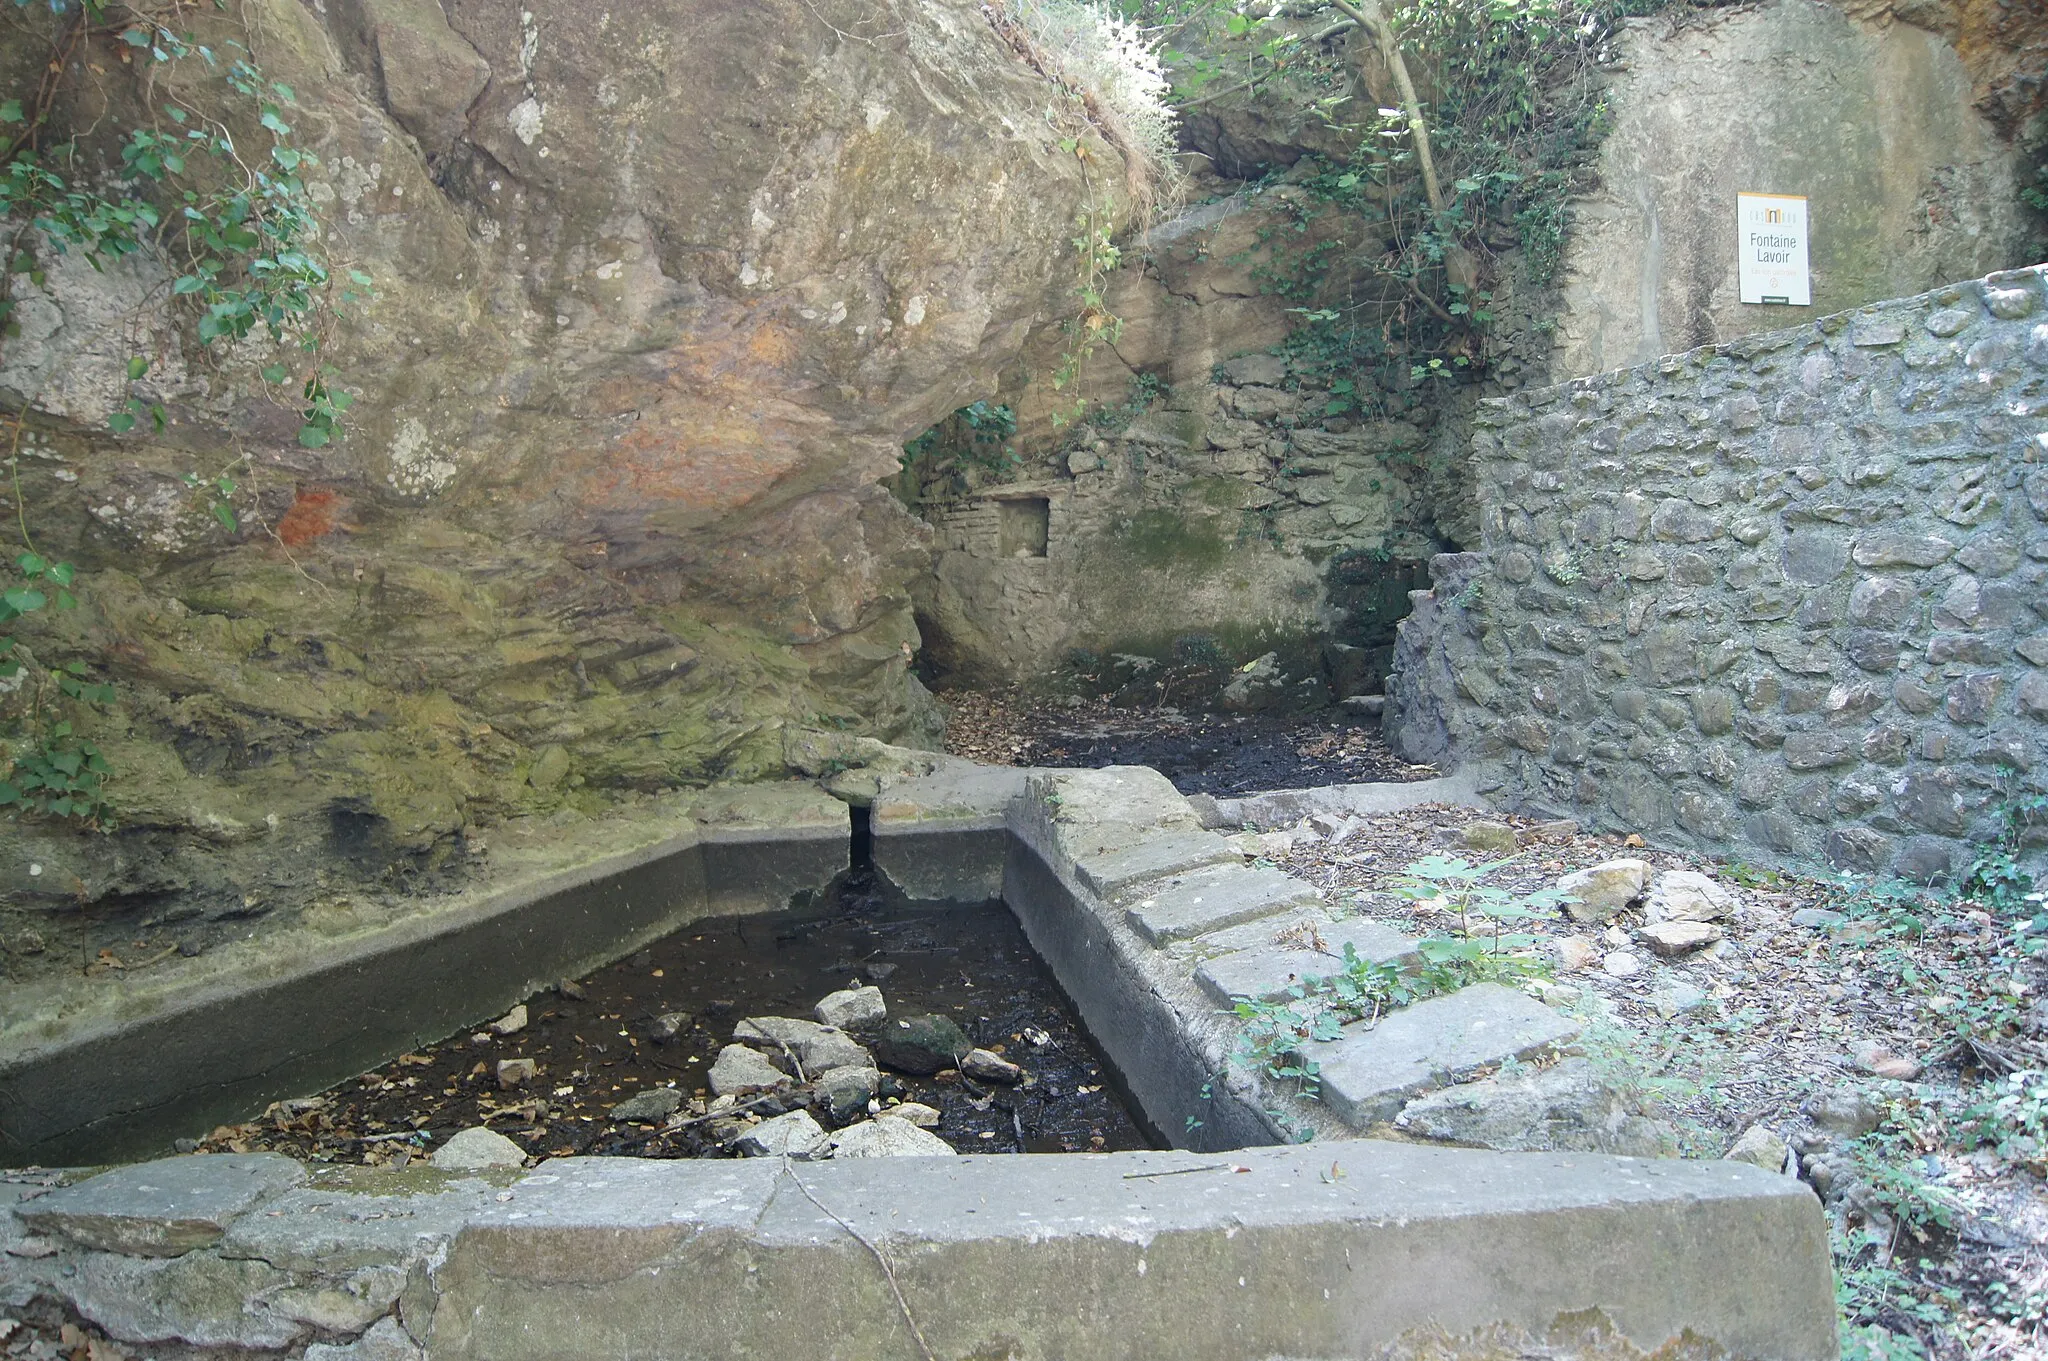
(806, 1089)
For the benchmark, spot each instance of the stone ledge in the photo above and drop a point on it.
(1301, 1252)
(1213, 898)
(1368, 1075)
(1264, 970)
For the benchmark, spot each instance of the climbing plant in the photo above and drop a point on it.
(1477, 152)
(204, 181)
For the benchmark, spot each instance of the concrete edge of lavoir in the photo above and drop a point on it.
(123, 1086)
(1360, 1249)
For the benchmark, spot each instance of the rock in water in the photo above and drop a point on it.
(1605, 889)
(916, 1112)
(517, 1072)
(983, 1066)
(888, 1138)
(664, 1028)
(795, 1133)
(475, 1149)
(833, 1048)
(921, 1044)
(656, 1103)
(739, 1071)
(852, 1009)
(845, 1092)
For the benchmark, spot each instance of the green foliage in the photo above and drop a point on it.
(974, 438)
(228, 217)
(1996, 878)
(61, 775)
(2013, 1119)
(1096, 256)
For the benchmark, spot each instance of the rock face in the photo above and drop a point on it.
(1908, 184)
(650, 325)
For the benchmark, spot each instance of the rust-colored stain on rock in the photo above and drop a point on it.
(312, 515)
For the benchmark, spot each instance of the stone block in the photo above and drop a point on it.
(1265, 971)
(1211, 899)
(1406, 1243)
(1367, 1076)
(165, 1208)
(1108, 873)
(1891, 549)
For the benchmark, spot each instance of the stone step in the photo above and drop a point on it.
(1272, 958)
(1367, 1075)
(1107, 873)
(162, 1209)
(1205, 900)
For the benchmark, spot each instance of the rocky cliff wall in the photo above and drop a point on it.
(1784, 599)
(660, 291)
(1877, 122)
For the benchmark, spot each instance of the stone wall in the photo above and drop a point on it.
(1784, 598)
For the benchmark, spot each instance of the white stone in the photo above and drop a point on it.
(852, 1009)
(1759, 1146)
(1687, 896)
(511, 1023)
(888, 1138)
(1622, 964)
(916, 1112)
(794, 1133)
(1604, 889)
(739, 1071)
(474, 1149)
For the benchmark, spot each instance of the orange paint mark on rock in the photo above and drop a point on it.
(312, 515)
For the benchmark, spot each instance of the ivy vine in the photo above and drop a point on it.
(206, 183)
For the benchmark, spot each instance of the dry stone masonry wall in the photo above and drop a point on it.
(1784, 598)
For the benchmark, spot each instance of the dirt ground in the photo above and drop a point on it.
(1202, 753)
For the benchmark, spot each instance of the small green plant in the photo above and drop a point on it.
(1996, 878)
(1274, 1037)
(2013, 1119)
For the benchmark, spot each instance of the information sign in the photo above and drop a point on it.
(1771, 248)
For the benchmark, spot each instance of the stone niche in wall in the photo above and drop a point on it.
(1203, 496)
(1784, 598)
(1876, 123)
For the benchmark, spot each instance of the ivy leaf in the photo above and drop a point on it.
(276, 124)
(137, 366)
(276, 373)
(121, 422)
(23, 599)
(10, 111)
(225, 514)
(136, 37)
(313, 437)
